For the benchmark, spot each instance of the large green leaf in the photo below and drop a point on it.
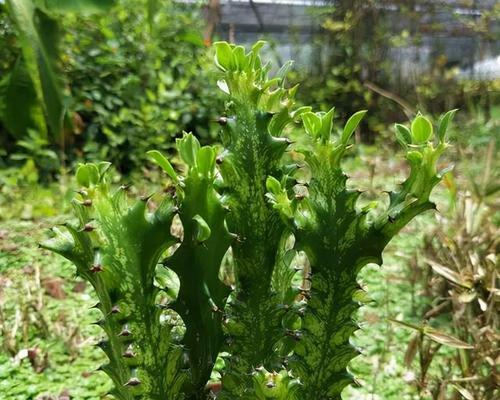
(20, 109)
(38, 36)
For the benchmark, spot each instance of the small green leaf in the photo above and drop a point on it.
(300, 111)
(164, 164)
(103, 167)
(312, 123)
(188, 148)
(443, 123)
(270, 83)
(273, 185)
(421, 129)
(258, 45)
(351, 125)
(403, 135)
(87, 175)
(254, 60)
(224, 57)
(202, 231)
(327, 125)
(239, 58)
(206, 160)
(82, 176)
(283, 71)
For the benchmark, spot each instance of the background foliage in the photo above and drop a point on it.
(132, 78)
(132, 81)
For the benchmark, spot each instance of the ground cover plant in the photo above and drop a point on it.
(293, 239)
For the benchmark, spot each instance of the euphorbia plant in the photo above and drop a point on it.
(297, 241)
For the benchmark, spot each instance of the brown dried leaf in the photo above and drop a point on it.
(467, 297)
(411, 351)
(437, 310)
(449, 274)
(407, 325)
(464, 392)
(445, 339)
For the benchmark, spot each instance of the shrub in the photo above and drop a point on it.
(135, 88)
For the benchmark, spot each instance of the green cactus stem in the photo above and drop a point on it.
(258, 111)
(116, 247)
(339, 240)
(202, 296)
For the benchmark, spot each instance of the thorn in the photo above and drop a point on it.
(87, 228)
(145, 198)
(125, 187)
(296, 335)
(96, 268)
(133, 382)
(171, 191)
(270, 384)
(219, 160)
(82, 192)
(222, 121)
(129, 353)
(87, 202)
(240, 239)
(125, 331)
(115, 309)
(96, 305)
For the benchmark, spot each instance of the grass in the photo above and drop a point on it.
(45, 321)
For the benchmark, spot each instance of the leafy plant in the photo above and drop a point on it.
(298, 241)
(36, 148)
(459, 266)
(34, 96)
(134, 88)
